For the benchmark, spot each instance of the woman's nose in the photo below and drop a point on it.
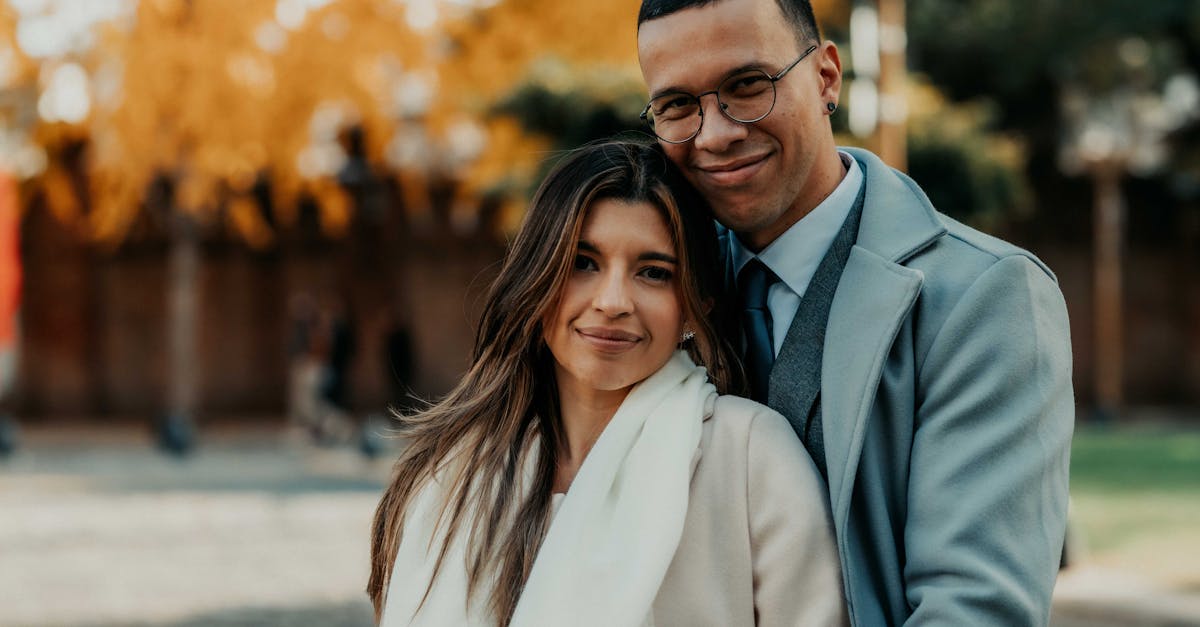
(613, 295)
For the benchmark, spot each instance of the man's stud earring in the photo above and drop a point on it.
(831, 106)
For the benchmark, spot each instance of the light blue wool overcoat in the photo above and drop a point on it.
(948, 411)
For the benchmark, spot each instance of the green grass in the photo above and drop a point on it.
(1135, 500)
(1136, 460)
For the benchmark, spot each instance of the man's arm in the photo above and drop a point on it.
(987, 501)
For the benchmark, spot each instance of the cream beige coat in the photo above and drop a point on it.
(757, 545)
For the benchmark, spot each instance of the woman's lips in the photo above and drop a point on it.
(608, 340)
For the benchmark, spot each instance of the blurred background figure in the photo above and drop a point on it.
(399, 357)
(337, 332)
(321, 345)
(306, 361)
(377, 435)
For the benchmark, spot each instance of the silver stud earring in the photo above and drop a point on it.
(687, 335)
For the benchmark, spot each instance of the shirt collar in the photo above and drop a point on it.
(795, 255)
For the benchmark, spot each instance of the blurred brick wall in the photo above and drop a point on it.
(94, 324)
(94, 332)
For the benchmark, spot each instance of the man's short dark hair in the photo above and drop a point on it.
(798, 12)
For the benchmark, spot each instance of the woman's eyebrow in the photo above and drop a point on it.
(588, 247)
(654, 256)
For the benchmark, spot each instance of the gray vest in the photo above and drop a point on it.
(795, 386)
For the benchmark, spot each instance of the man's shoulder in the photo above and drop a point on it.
(963, 244)
(900, 224)
(965, 265)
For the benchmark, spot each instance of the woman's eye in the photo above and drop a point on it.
(583, 262)
(657, 274)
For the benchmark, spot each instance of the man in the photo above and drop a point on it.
(924, 365)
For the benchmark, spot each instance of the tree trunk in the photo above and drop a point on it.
(183, 269)
(1107, 359)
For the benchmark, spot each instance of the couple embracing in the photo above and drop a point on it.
(838, 406)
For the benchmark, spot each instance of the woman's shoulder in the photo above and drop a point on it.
(738, 419)
(742, 415)
(757, 433)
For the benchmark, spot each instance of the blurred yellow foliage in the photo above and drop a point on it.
(213, 93)
(61, 198)
(15, 64)
(246, 220)
(492, 48)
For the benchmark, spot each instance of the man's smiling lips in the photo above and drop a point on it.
(607, 339)
(735, 172)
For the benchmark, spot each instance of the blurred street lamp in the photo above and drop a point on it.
(1107, 137)
(878, 100)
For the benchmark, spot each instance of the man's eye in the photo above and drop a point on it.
(674, 107)
(675, 102)
(584, 263)
(745, 85)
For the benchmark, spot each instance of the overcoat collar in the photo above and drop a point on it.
(898, 220)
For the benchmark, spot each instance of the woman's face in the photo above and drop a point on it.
(619, 317)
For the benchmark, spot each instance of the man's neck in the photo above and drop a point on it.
(822, 181)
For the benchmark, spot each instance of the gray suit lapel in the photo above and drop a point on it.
(796, 376)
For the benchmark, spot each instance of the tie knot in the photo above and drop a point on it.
(754, 281)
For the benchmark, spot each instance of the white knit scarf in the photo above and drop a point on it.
(608, 547)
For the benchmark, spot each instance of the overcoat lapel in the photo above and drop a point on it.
(873, 298)
(872, 301)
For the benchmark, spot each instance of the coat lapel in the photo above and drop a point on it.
(871, 303)
(874, 296)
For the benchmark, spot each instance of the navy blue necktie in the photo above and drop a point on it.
(754, 282)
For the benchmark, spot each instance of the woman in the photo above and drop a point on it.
(585, 471)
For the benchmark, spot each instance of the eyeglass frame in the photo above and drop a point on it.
(644, 115)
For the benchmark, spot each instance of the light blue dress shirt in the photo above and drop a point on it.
(795, 255)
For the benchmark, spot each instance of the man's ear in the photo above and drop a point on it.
(830, 67)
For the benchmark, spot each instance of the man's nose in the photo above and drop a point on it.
(717, 130)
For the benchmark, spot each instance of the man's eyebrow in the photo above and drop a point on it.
(675, 89)
(670, 90)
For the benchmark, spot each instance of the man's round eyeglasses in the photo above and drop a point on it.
(745, 97)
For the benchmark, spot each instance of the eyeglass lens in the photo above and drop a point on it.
(744, 97)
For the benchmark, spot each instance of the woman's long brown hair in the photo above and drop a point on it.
(509, 397)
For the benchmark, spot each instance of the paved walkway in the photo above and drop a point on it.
(257, 531)
(1088, 596)
(98, 529)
